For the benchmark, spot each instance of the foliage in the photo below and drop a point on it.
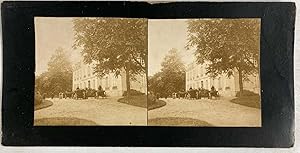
(58, 78)
(227, 44)
(114, 44)
(172, 76)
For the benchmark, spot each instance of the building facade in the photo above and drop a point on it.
(196, 77)
(83, 77)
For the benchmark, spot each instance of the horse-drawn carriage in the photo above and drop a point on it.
(197, 94)
(86, 93)
(68, 94)
(203, 93)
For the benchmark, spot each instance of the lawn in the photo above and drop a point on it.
(156, 104)
(141, 101)
(177, 121)
(250, 101)
(63, 121)
(44, 104)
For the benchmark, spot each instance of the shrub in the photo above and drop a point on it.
(246, 93)
(133, 93)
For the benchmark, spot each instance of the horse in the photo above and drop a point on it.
(80, 93)
(203, 93)
(100, 93)
(181, 94)
(214, 94)
(68, 94)
(192, 93)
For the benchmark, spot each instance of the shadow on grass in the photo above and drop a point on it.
(62, 121)
(156, 104)
(177, 121)
(250, 101)
(141, 101)
(44, 104)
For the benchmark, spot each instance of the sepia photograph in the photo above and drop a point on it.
(138, 74)
(155, 72)
(90, 71)
(204, 72)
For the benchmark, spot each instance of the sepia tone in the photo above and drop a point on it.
(204, 72)
(155, 72)
(90, 71)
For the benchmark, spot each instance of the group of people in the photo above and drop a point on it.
(197, 93)
(88, 92)
(82, 93)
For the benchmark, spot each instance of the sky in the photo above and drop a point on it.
(164, 35)
(50, 34)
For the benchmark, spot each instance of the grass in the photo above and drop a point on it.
(44, 104)
(141, 101)
(250, 101)
(156, 104)
(177, 121)
(64, 121)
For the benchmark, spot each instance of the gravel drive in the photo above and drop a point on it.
(102, 111)
(216, 112)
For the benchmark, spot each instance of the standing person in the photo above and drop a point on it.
(190, 93)
(212, 91)
(100, 91)
(213, 88)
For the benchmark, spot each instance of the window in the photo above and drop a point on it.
(220, 83)
(89, 71)
(84, 73)
(89, 84)
(206, 84)
(201, 71)
(114, 83)
(201, 84)
(94, 85)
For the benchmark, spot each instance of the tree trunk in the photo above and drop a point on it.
(241, 82)
(128, 82)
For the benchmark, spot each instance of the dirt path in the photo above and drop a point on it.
(216, 112)
(102, 111)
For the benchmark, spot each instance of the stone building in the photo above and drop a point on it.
(226, 86)
(83, 77)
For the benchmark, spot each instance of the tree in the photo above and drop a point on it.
(58, 77)
(227, 44)
(155, 83)
(114, 44)
(172, 76)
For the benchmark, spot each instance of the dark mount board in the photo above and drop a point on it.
(277, 82)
